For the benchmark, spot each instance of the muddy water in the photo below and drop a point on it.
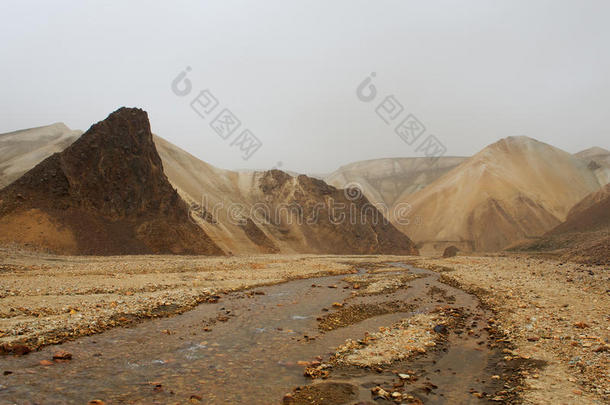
(249, 358)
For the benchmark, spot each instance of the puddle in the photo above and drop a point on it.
(252, 357)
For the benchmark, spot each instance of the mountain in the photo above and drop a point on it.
(590, 214)
(385, 181)
(22, 150)
(273, 211)
(118, 177)
(584, 236)
(106, 193)
(513, 189)
(599, 161)
(587, 202)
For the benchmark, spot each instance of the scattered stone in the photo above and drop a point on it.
(195, 399)
(46, 363)
(380, 392)
(288, 399)
(317, 372)
(62, 355)
(16, 348)
(450, 251)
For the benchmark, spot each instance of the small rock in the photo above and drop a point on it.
(404, 376)
(62, 355)
(450, 251)
(46, 363)
(288, 399)
(96, 402)
(380, 392)
(17, 349)
(441, 329)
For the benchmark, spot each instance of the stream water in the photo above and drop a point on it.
(251, 358)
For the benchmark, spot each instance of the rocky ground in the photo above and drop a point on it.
(550, 310)
(47, 299)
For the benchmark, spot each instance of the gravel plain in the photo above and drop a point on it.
(549, 310)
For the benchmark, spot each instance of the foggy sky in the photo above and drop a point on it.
(471, 71)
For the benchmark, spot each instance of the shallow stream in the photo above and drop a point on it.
(251, 357)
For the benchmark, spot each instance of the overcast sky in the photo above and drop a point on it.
(471, 71)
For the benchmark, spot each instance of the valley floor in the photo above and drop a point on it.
(545, 309)
(550, 310)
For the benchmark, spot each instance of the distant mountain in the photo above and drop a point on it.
(273, 211)
(513, 189)
(106, 193)
(22, 150)
(599, 161)
(389, 180)
(587, 202)
(112, 192)
(583, 237)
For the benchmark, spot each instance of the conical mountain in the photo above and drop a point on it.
(106, 193)
(515, 188)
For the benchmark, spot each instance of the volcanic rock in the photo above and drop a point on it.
(104, 194)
